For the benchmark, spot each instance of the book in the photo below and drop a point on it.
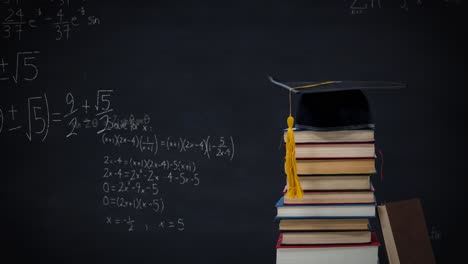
(333, 197)
(311, 136)
(324, 210)
(405, 232)
(335, 182)
(335, 166)
(336, 151)
(326, 237)
(323, 224)
(366, 253)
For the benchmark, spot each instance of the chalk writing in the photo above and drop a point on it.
(58, 17)
(155, 205)
(135, 177)
(435, 234)
(210, 147)
(22, 68)
(177, 224)
(152, 176)
(174, 165)
(42, 116)
(164, 224)
(359, 7)
(128, 221)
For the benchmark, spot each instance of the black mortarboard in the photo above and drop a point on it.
(331, 105)
(334, 105)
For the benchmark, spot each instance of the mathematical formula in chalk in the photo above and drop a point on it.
(23, 67)
(36, 117)
(154, 205)
(135, 178)
(56, 18)
(135, 163)
(210, 147)
(159, 225)
(359, 7)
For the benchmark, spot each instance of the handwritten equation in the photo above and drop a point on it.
(154, 205)
(149, 177)
(359, 7)
(135, 186)
(36, 117)
(159, 225)
(175, 171)
(218, 147)
(135, 177)
(22, 68)
(60, 17)
(133, 163)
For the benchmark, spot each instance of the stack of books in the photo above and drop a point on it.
(330, 223)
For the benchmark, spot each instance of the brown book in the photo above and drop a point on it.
(335, 166)
(326, 237)
(405, 233)
(324, 224)
(312, 136)
(332, 197)
(335, 150)
(335, 182)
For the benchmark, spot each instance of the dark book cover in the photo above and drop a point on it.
(405, 233)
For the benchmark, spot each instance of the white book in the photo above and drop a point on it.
(330, 254)
(325, 210)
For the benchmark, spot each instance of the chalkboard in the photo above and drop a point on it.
(148, 132)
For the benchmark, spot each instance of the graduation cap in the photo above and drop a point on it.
(330, 105)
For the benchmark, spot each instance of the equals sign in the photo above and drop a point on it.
(54, 118)
(112, 188)
(171, 224)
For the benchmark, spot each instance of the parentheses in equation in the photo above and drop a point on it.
(167, 143)
(181, 144)
(232, 147)
(103, 138)
(141, 143)
(29, 132)
(48, 117)
(1, 120)
(131, 162)
(194, 166)
(156, 144)
(162, 205)
(207, 147)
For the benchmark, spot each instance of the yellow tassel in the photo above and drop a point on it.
(294, 186)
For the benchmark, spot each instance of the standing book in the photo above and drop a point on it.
(405, 233)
